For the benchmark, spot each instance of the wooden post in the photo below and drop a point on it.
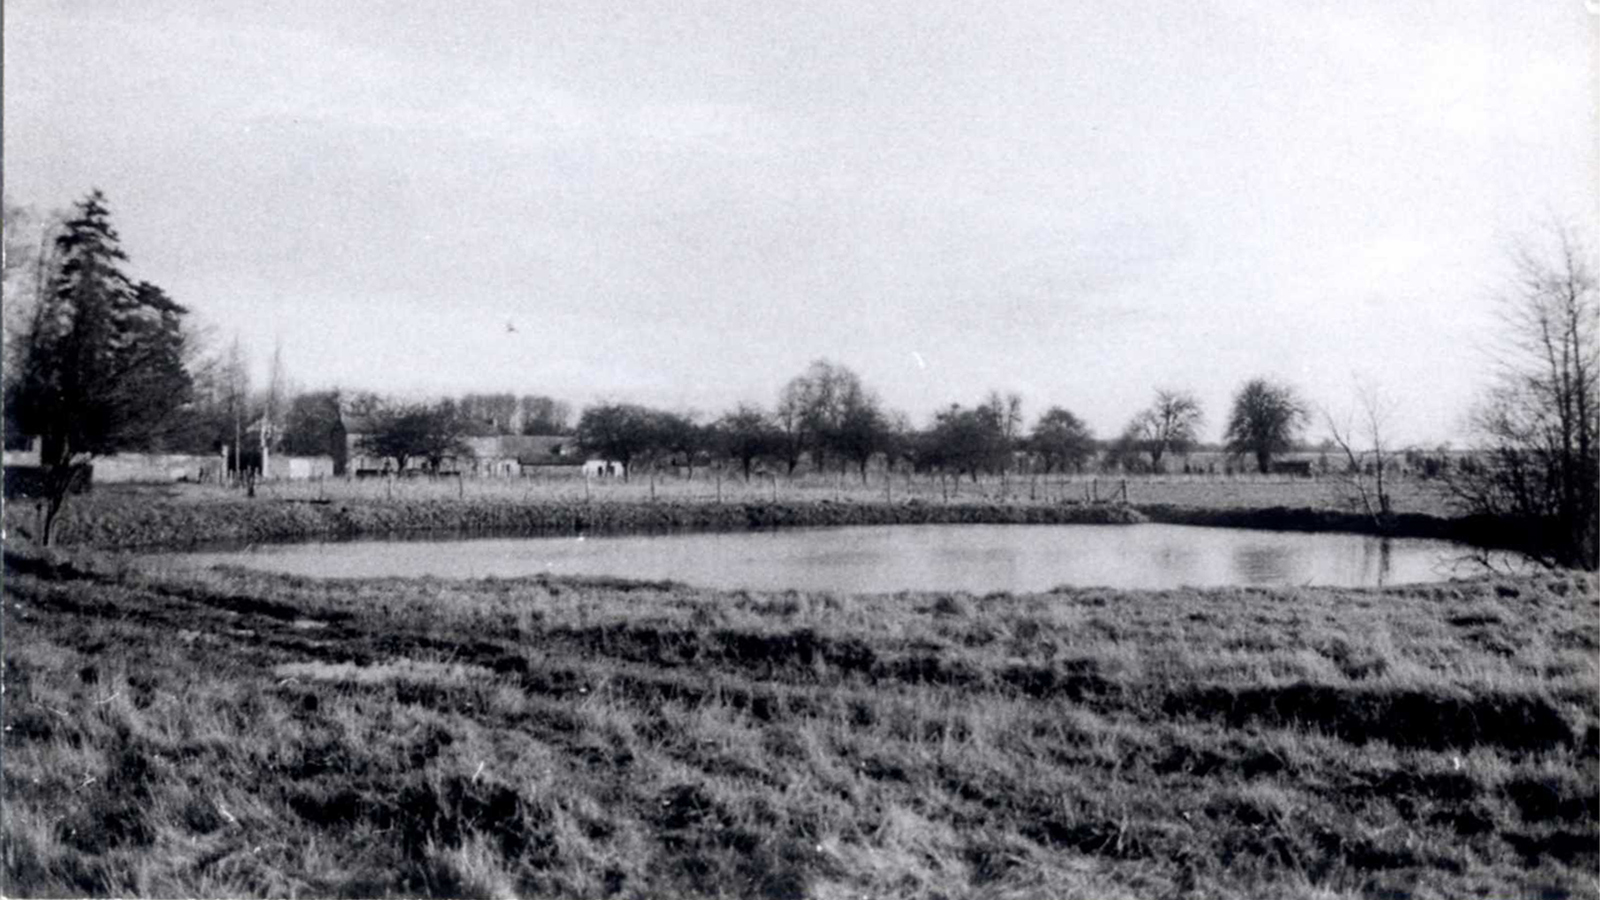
(774, 487)
(586, 487)
(1094, 489)
(719, 487)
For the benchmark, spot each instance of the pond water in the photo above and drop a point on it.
(975, 558)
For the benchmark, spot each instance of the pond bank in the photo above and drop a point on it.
(132, 522)
(136, 521)
(1477, 530)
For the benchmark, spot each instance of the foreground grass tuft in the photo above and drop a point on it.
(233, 733)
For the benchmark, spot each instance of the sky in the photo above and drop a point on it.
(684, 204)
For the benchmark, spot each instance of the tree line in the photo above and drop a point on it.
(106, 365)
(97, 363)
(827, 418)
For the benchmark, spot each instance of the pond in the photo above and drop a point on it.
(883, 558)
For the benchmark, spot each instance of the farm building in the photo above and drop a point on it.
(26, 455)
(487, 456)
(156, 468)
(603, 468)
(299, 468)
(511, 455)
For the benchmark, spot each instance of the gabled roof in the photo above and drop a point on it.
(527, 448)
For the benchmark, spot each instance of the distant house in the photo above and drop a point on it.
(1299, 467)
(362, 463)
(512, 455)
(603, 468)
(156, 468)
(488, 456)
(357, 461)
(27, 455)
(537, 452)
(300, 468)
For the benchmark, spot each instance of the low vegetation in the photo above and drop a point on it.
(183, 515)
(134, 521)
(235, 733)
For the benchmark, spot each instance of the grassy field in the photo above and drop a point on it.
(231, 733)
(1209, 491)
(179, 515)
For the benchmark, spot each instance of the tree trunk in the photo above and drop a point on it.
(58, 486)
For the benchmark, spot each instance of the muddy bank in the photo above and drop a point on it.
(1477, 530)
(146, 523)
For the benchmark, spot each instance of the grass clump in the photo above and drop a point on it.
(243, 734)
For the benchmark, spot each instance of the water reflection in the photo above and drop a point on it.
(1259, 564)
(975, 558)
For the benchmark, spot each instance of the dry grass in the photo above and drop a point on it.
(181, 515)
(234, 733)
(706, 486)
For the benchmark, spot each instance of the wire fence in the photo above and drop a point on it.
(720, 485)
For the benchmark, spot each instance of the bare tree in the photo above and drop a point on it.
(817, 402)
(274, 406)
(539, 414)
(747, 434)
(487, 414)
(1361, 437)
(1266, 419)
(1537, 465)
(1006, 412)
(622, 432)
(1171, 423)
(431, 432)
(1061, 440)
(791, 428)
(27, 259)
(236, 397)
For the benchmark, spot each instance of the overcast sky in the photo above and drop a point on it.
(683, 204)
